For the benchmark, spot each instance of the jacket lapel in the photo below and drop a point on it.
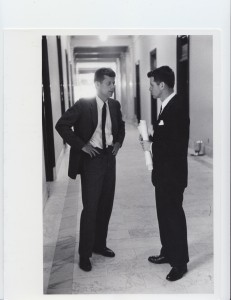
(94, 112)
(165, 110)
(112, 111)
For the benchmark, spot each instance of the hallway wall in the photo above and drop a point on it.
(166, 55)
(65, 46)
(200, 80)
(55, 99)
(55, 91)
(201, 91)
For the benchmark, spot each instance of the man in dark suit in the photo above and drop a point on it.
(169, 147)
(97, 135)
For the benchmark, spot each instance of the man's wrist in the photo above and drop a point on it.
(150, 147)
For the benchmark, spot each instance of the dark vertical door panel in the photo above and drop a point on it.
(47, 118)
(153, 65)
(137, 99)
(183, 70)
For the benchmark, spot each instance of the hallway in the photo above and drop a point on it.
(133, 232)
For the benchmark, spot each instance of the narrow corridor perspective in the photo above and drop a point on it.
(133, 232)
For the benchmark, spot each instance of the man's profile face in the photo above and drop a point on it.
(154, 88)
(106, 87)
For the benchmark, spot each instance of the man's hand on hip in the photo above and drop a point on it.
(89, 149)
(116, 148)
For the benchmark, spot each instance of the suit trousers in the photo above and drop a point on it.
(172, 224)
(98, 177)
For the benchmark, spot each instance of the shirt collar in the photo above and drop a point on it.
(100, 102)
(165, 102)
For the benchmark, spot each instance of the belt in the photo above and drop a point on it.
(109, 148)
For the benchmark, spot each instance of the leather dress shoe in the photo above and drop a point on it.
(160, 259)
(105, 252)
(177, 273)
(85, 264)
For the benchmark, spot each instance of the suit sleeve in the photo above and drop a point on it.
(121, 126)
(65, 124)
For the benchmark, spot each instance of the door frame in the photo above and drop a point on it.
(137, 98)
(183, 45)
(47, 117)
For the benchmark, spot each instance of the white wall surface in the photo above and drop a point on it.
(55, 90)
(201, 90)
(166, 55)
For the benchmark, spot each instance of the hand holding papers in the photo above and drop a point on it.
(144, 134)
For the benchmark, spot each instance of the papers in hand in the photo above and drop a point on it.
(144, 133)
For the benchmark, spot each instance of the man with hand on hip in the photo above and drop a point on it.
(97, 135)
(169, 147)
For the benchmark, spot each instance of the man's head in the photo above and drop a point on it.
(162, 81)
(105, 82)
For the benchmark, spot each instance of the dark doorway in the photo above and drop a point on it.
(183, 70)
(137, 98)
(59, 49)
(47, 118)
(153, 65)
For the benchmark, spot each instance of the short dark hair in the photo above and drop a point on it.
(99, 74)
(163, 74)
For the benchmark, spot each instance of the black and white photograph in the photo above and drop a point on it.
(128, 164)
(115, 134)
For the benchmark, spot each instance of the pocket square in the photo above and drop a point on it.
(161, 123)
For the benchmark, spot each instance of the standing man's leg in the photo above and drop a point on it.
(92, 178)
(106, 201)
(172, 225)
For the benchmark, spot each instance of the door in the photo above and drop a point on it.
(183, 70)
(47, 118)
(137, 99)
(153, 65)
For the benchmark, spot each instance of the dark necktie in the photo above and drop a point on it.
(104, 111)
(160, 112)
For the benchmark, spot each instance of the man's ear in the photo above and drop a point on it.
(162, 85)
(97, 84)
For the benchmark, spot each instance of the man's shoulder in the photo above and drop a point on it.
(114, 101)
(176, 103)
(85, 101)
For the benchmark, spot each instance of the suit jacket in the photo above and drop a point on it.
(170, 146)
(83, 117)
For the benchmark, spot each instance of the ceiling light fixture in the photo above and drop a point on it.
(103, 38)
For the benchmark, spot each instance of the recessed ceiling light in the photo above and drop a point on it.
(103, 38)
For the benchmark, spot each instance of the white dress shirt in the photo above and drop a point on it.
(96, 139)
(164, 103)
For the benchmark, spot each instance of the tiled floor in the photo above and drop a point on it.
(133, 232)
